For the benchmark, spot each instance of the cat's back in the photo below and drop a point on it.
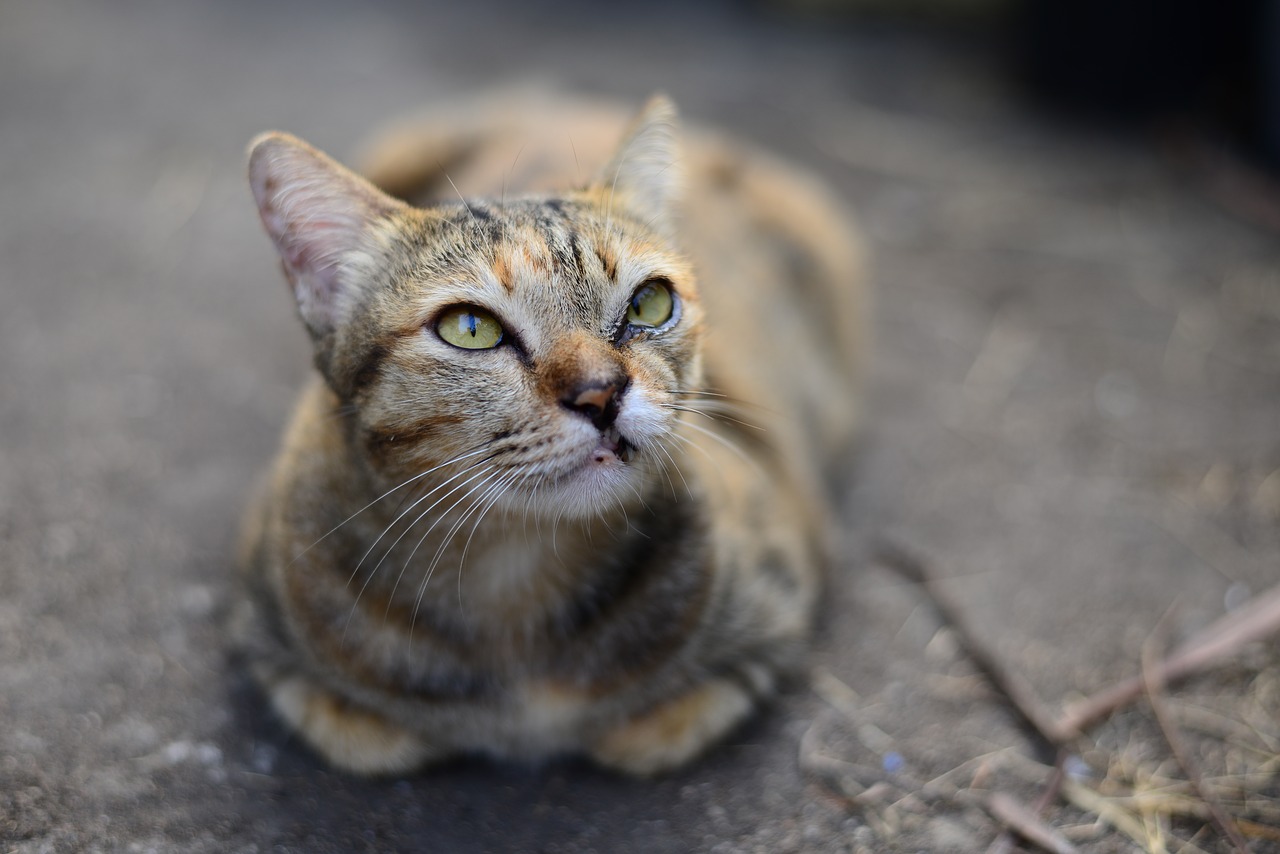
(778, 256)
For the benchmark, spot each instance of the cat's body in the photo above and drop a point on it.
(568, 542)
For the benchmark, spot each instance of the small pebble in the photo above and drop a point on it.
(1076, 768)
(1237, 594)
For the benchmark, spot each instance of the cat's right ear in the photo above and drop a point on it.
(321, 217)
(646, 174)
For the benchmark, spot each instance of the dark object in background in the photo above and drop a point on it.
(1211, 63)
(1210, 67)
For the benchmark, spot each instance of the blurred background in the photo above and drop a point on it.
(1072, 213)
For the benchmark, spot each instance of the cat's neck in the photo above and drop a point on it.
(507, 568)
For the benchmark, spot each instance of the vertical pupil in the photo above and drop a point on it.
(471, 324)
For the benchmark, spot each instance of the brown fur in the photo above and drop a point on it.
(453, 553)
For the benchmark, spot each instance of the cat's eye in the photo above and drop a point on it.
(469, 327)
(651, 305)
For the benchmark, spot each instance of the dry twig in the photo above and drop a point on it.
(1023, 821)
(1254, 621)
(1033, 713)
(1153, 678)
(1004, 842)
(1141, 817)
(1092, 802)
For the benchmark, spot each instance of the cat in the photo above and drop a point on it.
(559, 483)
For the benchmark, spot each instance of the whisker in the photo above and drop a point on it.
(705, 453)
(639, 498)
(717, 416)
(404, 513)
(502, 487)
(528, 501)
(715, 466)
(487, 485)
(608, 210)
(733, 447)
(701, 391)
(499, 489)
(666, 473)
(422, 586)
(416, 477)
(486, 476)
(461, 198)
(720, 399)
(400, 576)
(555, 526)
(679, 473)
(503, 199)
(373, 572)
(622, 505)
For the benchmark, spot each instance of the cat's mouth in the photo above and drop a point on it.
(613, 445)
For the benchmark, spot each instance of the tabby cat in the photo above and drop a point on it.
(557, 486)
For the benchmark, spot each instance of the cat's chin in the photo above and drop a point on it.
(604, 483)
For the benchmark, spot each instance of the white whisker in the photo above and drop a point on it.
(733, 447)
(679, 473)
(722, 401)
(461, 198)
(373, 572)
(715, 468)
(712, 416)
(486, 473)
(416, 477)
(503, 202)
(502, 486)
(404, 513)
(484, 488)
(422, 585)
(487, 478)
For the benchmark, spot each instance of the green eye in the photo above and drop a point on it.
(469, 327)
(651, 305)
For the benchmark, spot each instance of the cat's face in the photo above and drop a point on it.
(530, 354)
(545, 339)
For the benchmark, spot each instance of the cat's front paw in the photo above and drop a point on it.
(348, 736)
(675, 732)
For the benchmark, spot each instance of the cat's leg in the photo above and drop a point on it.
(349, 737)
(678, 730)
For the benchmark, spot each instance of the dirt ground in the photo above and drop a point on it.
(1076, 420)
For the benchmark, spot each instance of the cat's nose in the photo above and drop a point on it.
(597, 401)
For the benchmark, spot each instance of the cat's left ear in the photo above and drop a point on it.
(322, 218)
(646, 175)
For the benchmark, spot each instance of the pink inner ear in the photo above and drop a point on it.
(312, 248)
(297, 258)
(316, 212)
(312, 255)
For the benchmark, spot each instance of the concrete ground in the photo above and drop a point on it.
(1076, 417)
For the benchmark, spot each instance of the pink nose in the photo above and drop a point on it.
(597, 401)
(597, 397)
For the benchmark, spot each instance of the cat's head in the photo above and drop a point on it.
(540, 344)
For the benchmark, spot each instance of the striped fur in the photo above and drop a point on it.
(454, 553)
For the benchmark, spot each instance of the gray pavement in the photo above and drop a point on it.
(1077, 415)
